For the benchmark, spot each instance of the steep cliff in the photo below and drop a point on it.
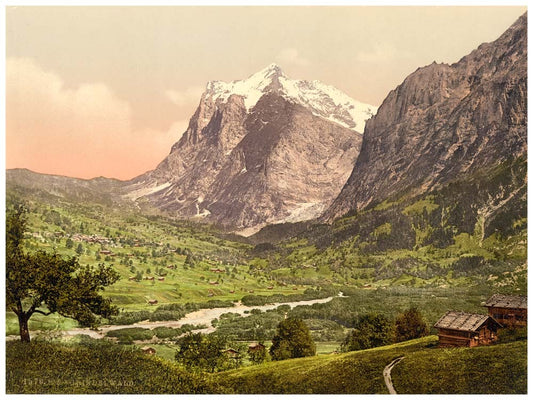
(444, 122)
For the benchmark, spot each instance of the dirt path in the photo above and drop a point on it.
(386, 375)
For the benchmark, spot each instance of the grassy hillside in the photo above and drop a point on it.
(186, 262)
(425, 369)
(492, 369)
(472, 231)
(94, 367)
(90, 366)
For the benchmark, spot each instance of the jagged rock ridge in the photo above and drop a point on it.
(443, 122)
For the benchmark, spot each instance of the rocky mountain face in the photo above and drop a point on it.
(263, 150)
(442, 123)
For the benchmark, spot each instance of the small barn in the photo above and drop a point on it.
(508, 310)
(148, 350)
(231, 353)
(253, 347)
(460, 329)
(152, 302)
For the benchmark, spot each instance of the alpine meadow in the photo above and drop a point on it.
(289, 239)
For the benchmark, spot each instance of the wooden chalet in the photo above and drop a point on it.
(231, 353)
(253, 347)
(508, 310)
(148, 350)
(152, 302)
(460, 329)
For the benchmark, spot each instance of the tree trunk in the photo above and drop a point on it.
(23, 328)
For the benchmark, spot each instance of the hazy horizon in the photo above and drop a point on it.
(106, 91)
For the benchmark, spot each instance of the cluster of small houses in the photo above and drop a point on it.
(80, 237)
(460, 329)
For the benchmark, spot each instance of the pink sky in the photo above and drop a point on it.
(106, 91)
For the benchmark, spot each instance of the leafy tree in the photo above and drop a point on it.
(139, 276)
(189, 261)
(372, 330)
(79, 249)
(46, 283)
(203, 352)
(69, 244)
(410, 325)
(292, 340)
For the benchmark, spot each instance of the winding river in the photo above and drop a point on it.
(200, 317)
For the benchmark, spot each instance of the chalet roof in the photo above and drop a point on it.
(230, 350)
(462, 321)
(506, 301)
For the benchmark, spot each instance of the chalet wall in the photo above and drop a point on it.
(509, 316)
(486, 334)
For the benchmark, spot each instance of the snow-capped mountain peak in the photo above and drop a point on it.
(322, 100)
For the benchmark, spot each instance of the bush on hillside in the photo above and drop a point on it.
(133, 333)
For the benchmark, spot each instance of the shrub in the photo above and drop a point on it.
(133, 333)
(164, 332)
(130, 317)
